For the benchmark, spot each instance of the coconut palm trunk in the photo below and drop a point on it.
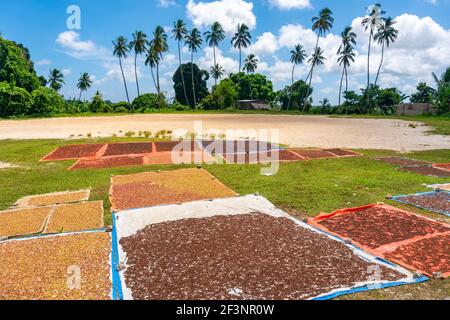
(215, 62)
(81, 92)
(368, 71)
(182, 73)
(192, 75)
(346, 88)
(292, 87)
(340, 86)
(158, 88)
(124, 81)
(381, 64)
(135, 74)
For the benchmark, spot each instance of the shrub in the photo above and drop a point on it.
(120, 107)
(148, 101)
(14, 101)
(224, 96)
(46, 101)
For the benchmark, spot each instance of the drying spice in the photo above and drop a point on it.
(73, 152)
(185, 145)
(111, 162)
(377, 226)
(232, 147)
(314, 154)
(53, 198)
(435, 201)
(427, 171)
(343, 153)
(401, 161)
(251, 256)
(266, 157)
(47, 268)
(76, 217)
(168, 187)
(23, 222)
(434, 255)
(119, 149)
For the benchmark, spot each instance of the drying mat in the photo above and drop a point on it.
(122, 149)
(427, 171)
(74, 152)
(436, 201)
(53, 198)
(23, 222)
(109, 162)
(401, 161)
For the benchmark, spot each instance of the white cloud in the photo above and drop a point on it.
(71, 40)
(291, 4)
(265, 44)
(66, 72)
(207, 60)
(228, 12)
(44, 62)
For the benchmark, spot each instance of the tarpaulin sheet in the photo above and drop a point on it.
(128, 224)
(382, 229)
(443, 186)
(436, 201)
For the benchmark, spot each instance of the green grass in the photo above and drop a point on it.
(304, 189)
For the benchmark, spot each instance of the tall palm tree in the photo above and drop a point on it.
(217, 72)
(121, 51)
(55, 79)
(139, 45)
(152, 60)
(242, 39)
(84, 83)
(194, 42)
(298, 55)
(159, 46)
(385, 35)
(251, 63)
(346, 55)
(371, 22)
(317, 59)
(179, 32)
(214, 37)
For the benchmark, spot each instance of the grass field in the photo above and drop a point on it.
(304, 189)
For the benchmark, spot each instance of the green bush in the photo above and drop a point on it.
(46, 101)
(224, 96)
(148, 101)
(14, 101)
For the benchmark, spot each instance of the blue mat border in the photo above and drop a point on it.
(117, 292)
(399, 199)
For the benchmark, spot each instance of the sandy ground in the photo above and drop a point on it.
(4, 165)
(296, 131)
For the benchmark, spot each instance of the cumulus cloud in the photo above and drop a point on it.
(44, 62)
(66, 72)
(291, 4)
(265, 44)
(228, 12)
(207, 61)
(72, 44)
(166, 3)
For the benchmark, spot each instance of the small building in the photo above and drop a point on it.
(253, 105)
(414, 109)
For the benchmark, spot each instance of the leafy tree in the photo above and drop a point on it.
(147, 102)
(217, 72)
(138, 44)
(200, 84)
(371, 22)
(193, 41)
(241, 39)
(253, 86)
(98, 104)
(298, 55)
(55, 79)
(441, 100)
(121, 51)
(346, 55)
(180, 32)
(84, 83)
(16, 67)
(352, 102)
(251, 64)
(424, 94)
(385, 35)
(213, 38)
(46, 101)
(14, 101)
(388, 99)
(296, 94)
(223, 96)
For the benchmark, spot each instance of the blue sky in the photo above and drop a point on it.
(277, 25)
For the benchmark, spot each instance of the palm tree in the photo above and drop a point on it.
(317, 59)
(371, 22)
(159, 47)
(84, 83)
(193, 41)
(179, 32)
(213, 38)
(121, 50)
(217, 72)
(251, 63)
(385, 35)
(242, 39)
(346, 55)
(55, 79)
(298, 55)
(138, 44)
(152, 60)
